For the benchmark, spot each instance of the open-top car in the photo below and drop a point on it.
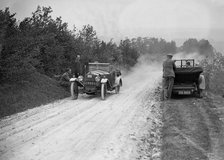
(100, 78)
(186, 80)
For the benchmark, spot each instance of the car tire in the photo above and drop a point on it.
(120, 83)
(103, 91)
(117, 89)
(74, 90)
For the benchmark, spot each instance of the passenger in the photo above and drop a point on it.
(201, 85)
(64, 80)
(168, 76)
(188, 64)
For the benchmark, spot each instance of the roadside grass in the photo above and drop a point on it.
(185, 133)
(192, 128)
(37, 90)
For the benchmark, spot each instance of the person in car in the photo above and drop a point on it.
(64, 80)
(188, 64)
(168, 76)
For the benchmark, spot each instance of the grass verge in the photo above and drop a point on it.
(37, 90)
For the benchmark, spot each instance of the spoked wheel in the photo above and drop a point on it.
(103, 91)
(74, 90)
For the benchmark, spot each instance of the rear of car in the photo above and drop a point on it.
(186, 78)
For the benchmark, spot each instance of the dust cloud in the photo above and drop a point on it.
(146, 70)
(182, 55)
(149, 68)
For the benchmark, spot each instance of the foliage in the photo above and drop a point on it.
(193, 45)
(128, 52)
(153, 46)
(43, 44)
(214, 72)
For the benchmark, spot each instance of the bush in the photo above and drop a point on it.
(214, 73)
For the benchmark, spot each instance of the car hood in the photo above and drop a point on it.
(98, 72)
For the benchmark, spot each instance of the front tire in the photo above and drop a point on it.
(117, 89)
(74, 90)
(120, 83)
(103, 91)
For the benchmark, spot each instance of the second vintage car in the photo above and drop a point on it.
(186, 80)
(100, 78)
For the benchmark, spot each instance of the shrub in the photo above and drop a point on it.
(214, 73)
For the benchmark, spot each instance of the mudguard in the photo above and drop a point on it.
(73, 79)
(80, 84)
(104, 80)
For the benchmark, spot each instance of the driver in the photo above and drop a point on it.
(77, 67)
(77, 70)
(168, 76)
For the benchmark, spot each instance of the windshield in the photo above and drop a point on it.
(184, 63)
(99, 66)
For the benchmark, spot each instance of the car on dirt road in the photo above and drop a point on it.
(186, 80)
(100, 78)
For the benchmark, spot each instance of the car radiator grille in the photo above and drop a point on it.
(90, 83)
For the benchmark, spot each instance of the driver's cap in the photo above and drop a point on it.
(169, 55)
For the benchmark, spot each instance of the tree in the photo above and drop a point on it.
(205, 48)
(130, 54)
(51, 40)
(190, 46)
(88, 43)
(202, 47)
(8, 40)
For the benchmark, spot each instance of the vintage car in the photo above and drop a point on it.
(186, 80)
(100, 78)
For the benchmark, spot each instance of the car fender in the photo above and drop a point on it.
(104, 80)
(80, 84)
(73, 79)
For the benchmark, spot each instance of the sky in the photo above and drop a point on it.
(117, 19)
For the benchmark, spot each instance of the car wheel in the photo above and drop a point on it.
(120, 83)
(117, 89)
(103, 90)
(74, 90)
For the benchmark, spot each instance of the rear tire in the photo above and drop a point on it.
(103, 91)
(74, 90)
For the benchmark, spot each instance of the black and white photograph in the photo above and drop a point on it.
(111, 80)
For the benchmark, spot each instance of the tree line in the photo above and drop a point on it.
(43, 44)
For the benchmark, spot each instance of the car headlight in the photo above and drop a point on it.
(97, 78)
(80, 78)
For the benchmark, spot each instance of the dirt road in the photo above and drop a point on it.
(87, 128)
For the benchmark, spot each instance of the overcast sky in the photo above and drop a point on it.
(168, 19)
